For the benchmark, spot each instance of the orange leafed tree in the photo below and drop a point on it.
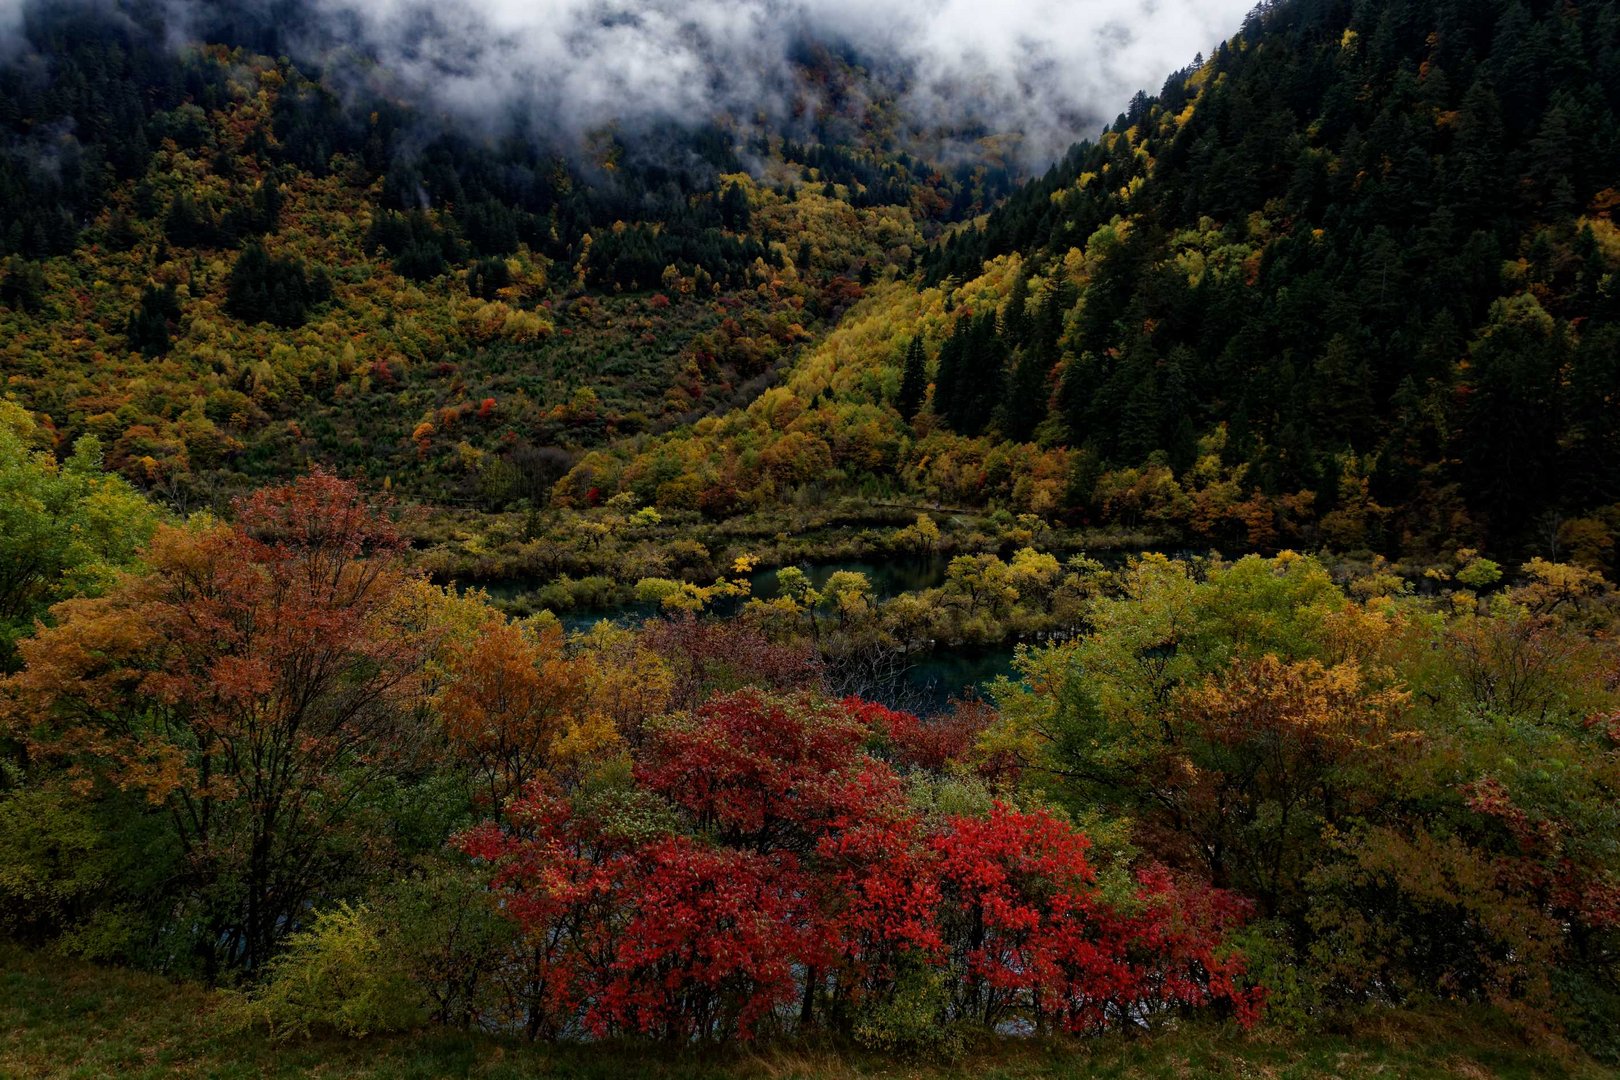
(252, 684)
(510, 701)
(1255, 766)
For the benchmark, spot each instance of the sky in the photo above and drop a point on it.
(1055, 70)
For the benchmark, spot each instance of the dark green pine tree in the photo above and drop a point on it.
(1082, 378)
(1181, 435)
(735, 213)
(1510, 435)
(1016, 323)
(148, 326)
(1592, 458)
(949, 374)
(968, 384)
(266, 206)
(913, 381)
(1341, 395)
(1554, 161)
(186, 225)
(1141, 420)
(23, 286)
(1412, 444)
(487, 277)
(1476, 177)
(979, 379)
(262, 288)
(1025, 406)
(1038, 339)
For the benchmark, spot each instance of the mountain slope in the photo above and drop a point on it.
(1351, 281)
(225, 265)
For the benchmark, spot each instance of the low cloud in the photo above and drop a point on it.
(1052, 71)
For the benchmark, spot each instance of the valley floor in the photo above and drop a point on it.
(65, 1019)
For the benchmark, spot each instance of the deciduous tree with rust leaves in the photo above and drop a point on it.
(255, 683)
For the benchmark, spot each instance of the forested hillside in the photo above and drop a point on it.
(225, 266)
(1351, 281)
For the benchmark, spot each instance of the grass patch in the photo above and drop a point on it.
(65, 1019)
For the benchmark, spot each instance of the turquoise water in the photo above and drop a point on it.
(941, 676)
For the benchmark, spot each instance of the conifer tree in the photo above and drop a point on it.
(913, 381)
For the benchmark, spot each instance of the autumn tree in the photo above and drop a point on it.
(627, 684)
(983, 581)
(1221, 715)
(1486, 869)
(1257, 765)
(254, 685)
(511, 702)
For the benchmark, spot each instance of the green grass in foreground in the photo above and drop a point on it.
(63, 1019)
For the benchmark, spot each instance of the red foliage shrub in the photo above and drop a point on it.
(711, 657)
(878, 894)
(711, 943)
(801, 874)
(1034, 937)
(765, 773)
(562, 884)
(1533, 859)
(912, 742)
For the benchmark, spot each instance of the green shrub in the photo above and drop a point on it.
(449, 938)
(1591, 1002)
(342, 975)
(54, 862)
(909, 1020)
(1294, 994)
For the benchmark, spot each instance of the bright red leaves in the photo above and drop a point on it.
(800, 885)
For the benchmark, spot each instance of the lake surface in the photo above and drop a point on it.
(934, 680)
(924, 683)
